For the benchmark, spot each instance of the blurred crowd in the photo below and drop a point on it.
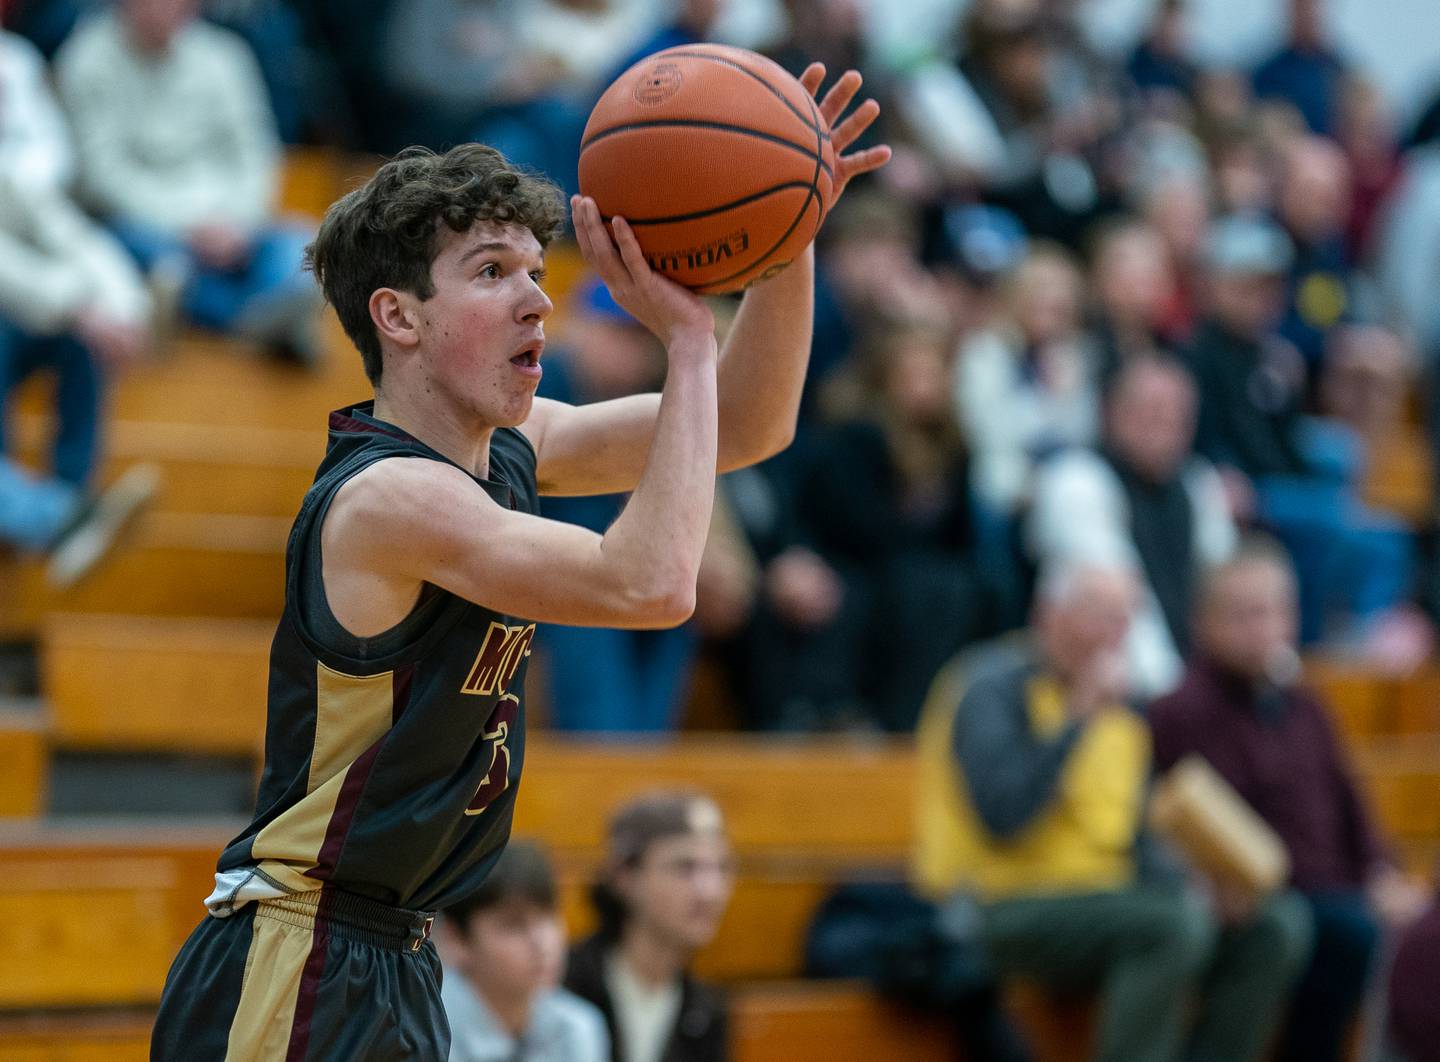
(1098, 307)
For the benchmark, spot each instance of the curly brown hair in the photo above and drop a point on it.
(386, 233)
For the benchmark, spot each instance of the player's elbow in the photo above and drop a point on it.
(661, 605)
(674, 607)
(780, 438)
(760, 447)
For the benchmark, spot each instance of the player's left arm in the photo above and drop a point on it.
(600, 448)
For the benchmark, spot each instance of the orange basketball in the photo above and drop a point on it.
(717, 158)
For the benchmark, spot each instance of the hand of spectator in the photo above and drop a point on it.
(1397, 899)
(1232, 904)
(803, 589)
(1239, 493)
(847, 132)
(1103, 681)
(112, 342)
(220, 246)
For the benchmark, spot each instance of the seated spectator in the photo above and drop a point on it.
(1178, 208)
(1408, 258)
(1050, 105)
(1133, 288)
(1414, 1018)
(867, 264)
(666, 881)
(885, 501)
(1242, 708)
(690, 22)
(505, 952)
(1244, 171)
(1367, 134)
(1143, 500)
(1025, 388)
(1289, 474)
(1033, 790)
(1161, 62)
(1314, 208)
(1305, 72)
(178, 153)
(604, 679)
(71, 306)
(1368, 371)
(35, 146)
(274, 30)
(1251, 382)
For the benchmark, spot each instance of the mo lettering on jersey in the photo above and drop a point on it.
(499, 659)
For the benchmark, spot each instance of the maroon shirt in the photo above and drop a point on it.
(1414, 1017)
(1277, 748)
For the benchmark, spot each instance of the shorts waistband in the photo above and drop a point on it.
(353, 917)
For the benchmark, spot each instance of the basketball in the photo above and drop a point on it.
(717, 158)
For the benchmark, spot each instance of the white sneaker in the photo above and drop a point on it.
(98, 526)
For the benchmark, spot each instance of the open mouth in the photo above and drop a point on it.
(526, 358)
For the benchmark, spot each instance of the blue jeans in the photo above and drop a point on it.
(1350, 559)
(33, 510)
(1347, 938)
(613, 680)
(217, 298)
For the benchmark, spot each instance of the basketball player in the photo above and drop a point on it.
(417, 569)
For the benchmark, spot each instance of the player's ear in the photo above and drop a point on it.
(395, 315)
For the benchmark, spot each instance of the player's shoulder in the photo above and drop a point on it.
(401, 484)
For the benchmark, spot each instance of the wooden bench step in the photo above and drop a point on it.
(818, 1021)
(23, 763)
(82, 1037)
(222, 469)
(157, 683)
(851, 798)
(174, 564)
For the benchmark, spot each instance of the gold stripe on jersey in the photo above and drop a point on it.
(352, 712)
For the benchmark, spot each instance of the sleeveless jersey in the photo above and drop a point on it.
(391, 762)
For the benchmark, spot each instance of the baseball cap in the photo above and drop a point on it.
(985, 241)
(1249, 246)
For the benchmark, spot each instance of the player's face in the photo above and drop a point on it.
(681, 888)
(513, 951)
(482, 331)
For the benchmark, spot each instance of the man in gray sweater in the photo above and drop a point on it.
(178, 152)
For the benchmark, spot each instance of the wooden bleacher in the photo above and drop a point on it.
(23, 764)
(147, 683)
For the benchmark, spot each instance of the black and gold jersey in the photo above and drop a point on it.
(391, 762)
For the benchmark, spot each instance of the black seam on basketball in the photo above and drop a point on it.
(748, 73)
(815, 185)
(810, 196)
(693, 123)
(697, 215)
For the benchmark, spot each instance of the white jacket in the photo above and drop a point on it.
(56, 262)
(1080, 513)
(35, 144)
(1010, 421)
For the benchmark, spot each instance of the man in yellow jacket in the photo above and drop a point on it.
(1033, 787)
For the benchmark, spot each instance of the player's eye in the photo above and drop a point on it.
(538, 276)
(490, 272)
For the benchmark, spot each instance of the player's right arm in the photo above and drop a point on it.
(404, 521)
